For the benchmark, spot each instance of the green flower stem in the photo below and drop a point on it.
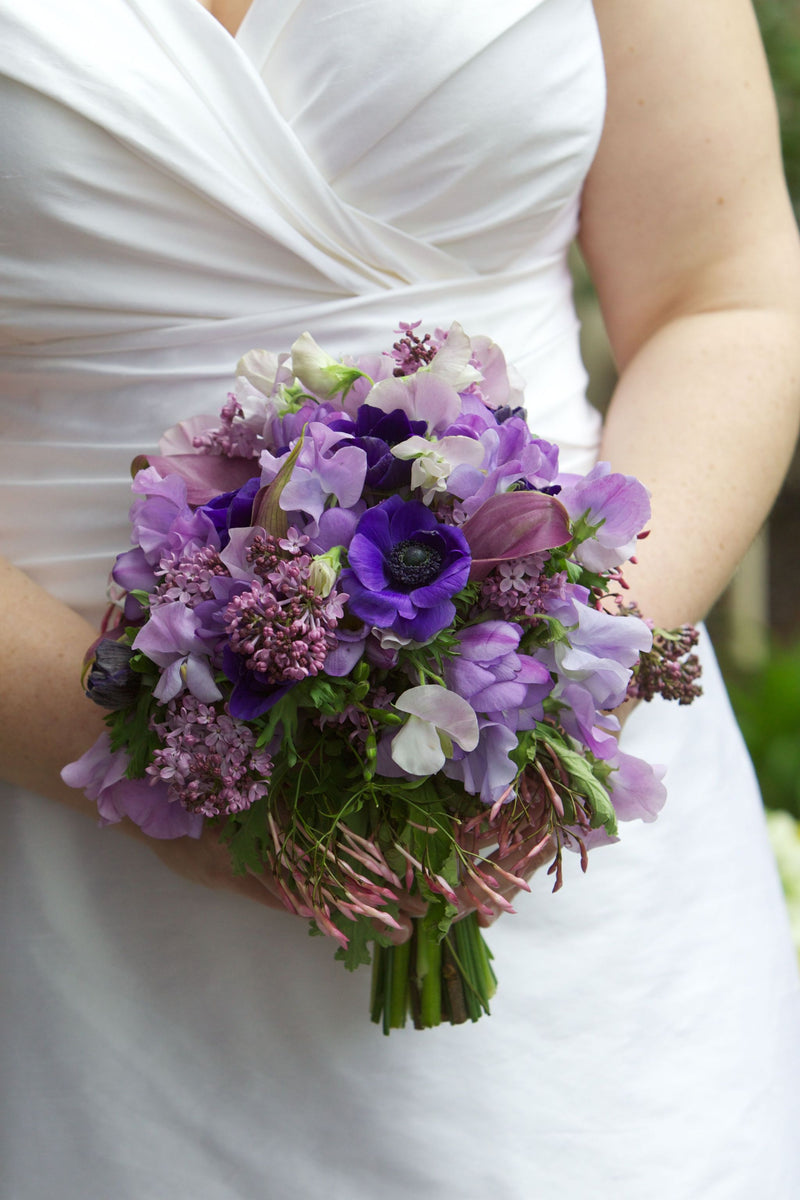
(378, 995)
(450, 980)
(428, 978)
(400, 957)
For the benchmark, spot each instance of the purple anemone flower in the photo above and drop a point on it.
(405, 566)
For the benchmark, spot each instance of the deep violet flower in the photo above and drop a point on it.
(405, 566)
(376, 432)
(232, 510)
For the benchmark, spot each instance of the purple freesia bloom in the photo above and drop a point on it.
(170, 639)
(618, 504)
(101, 775)
(405, 566)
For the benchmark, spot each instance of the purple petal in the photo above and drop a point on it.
(205, 475)
(514, 525)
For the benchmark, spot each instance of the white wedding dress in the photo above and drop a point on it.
(171, 197)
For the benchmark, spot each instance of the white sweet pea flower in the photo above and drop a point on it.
(451, 362)
(317, 371)
(264, 370)
(433, 462)
(437, 718)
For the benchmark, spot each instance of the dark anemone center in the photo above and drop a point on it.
(414, 564)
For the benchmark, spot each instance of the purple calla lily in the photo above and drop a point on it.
(514, 525)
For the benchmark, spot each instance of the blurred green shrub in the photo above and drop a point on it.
(767, 706)
(780, 29)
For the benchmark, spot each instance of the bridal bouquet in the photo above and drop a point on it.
(366, 630)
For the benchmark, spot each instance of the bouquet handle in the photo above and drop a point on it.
(433, 979)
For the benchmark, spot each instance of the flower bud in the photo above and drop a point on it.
(111, 683)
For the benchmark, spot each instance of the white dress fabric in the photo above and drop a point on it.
(171, 197)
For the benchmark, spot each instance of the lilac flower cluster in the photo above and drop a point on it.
(520, 588)
(208, 761)
(669, 668)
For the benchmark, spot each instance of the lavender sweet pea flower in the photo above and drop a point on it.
(487, 771)
(404, 567)
(327, 466)
(637, 792)
(101, 775)
(132, 571)
(513, 459)
(601, 651)
(619, 505)
(170, 639)
(161, 519)
(582, 720)
(489, 673)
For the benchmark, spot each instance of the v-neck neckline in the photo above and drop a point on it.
(242, 27)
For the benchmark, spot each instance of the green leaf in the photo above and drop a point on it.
(583, 780)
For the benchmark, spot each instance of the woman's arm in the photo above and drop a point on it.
(46, 721)
(689, 236)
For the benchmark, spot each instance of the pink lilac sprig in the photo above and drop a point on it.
(208, 760)
(234, 437)
(669, 669)
(187, 577)
(520, 587)
(411, 352)
(281, 626)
